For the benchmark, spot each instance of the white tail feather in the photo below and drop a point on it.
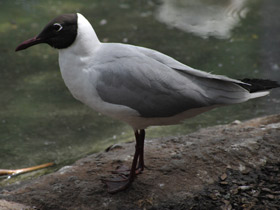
(259, 94)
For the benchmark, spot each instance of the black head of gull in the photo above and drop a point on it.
(137, 85)
(59, 33)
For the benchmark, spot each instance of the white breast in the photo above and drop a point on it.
(74, 73)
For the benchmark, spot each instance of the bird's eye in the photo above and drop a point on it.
(58, 27)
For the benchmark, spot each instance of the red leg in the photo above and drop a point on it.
(124, 170)
(141, 164)
(122, 182)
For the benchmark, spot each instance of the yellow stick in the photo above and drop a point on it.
(23, 170)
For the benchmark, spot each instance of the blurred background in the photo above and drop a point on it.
(41, 122)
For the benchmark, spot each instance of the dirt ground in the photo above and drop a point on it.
(235, 166)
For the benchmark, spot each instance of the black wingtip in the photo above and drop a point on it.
(259, 84)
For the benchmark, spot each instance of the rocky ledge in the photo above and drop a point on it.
(235, 166)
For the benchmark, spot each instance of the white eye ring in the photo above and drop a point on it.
(59, 25)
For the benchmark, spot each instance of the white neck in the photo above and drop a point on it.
(86, 41)
(76, 59)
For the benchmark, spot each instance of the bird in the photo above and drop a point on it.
(139, 86)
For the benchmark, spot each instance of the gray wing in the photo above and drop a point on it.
(174, 64)
(129, 77)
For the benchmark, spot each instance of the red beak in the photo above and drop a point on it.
(29, 43)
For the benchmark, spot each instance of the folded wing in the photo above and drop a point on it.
(155, 85)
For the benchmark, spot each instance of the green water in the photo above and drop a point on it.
(41, 122)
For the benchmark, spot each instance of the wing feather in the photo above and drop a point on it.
(150, 83)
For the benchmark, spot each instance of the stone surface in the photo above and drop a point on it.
(232, 166)
(8, 205)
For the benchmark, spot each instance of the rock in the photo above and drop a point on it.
(8, 205)
(179, 175)
(223, 176)
(113, 147)
(266, 190)
(243, 188)
(224, 183)
(270, 196)
(236, 122)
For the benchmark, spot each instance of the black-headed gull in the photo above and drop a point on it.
(137, 85)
